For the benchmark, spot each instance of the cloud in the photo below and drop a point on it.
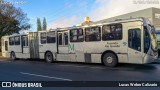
(102, 9)
(111, 8)
(63, 22)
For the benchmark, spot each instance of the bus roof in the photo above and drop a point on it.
(99, 24)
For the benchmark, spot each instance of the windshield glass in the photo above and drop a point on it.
(153, 38)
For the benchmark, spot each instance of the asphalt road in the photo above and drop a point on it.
(32, 70)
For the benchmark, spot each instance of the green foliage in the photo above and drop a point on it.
(39, 28)
(44, 24)
(12, 20)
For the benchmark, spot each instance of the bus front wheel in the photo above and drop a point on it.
(49, 57)
(110, 59)
(13, 56)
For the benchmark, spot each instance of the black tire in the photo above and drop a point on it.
(109, 59)
(49, 57)
(13, 56)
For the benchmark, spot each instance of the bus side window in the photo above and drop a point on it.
(43, 38)
(25, 40)
(66, 38)
(73, 35)
(11, 41)
(134, 39)
(60, 39)
(17, 40)
(76, 35)
(112, 32)
(51, 37)
(107, 34)
(93, 34)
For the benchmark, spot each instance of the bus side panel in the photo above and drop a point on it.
(17, 48)
(43, 48)
(122, 51)
(96, 58)
(78, 50)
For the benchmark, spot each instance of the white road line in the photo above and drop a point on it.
(45, 76)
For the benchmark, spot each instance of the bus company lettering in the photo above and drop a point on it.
(112, 44)
(71, 48)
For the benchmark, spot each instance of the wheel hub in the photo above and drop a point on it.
(49, 57)
(109, 59)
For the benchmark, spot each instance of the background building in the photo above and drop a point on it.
(153, 14)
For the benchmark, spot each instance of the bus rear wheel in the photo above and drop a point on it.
(109, 59)
(13, 56)
(49, 57)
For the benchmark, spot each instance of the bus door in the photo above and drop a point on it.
(25, 47)
(63, 46)
(63, 42)
(135, 54)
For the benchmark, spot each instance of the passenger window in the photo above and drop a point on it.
(11, 41)
(17, 40)
(112, 32)
(60, 39)
(134, 39)
(25, 40)
(76, 35)
(43, 38)
(51, 37)
(66, 38)
(93, 34)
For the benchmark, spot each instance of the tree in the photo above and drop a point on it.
(44, 24)
(39, 28)
(12, 20)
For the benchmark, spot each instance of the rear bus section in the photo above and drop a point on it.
(5, 46)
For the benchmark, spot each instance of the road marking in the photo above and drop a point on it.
(45, 76)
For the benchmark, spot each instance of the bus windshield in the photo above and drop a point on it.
(153, 38)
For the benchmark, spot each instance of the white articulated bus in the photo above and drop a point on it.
(124, 41)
